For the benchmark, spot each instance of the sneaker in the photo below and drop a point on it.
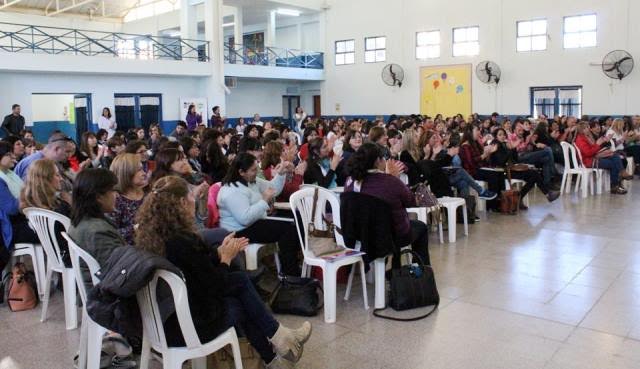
(487, 195)
(618, 191)
(476, 218)
(553, 195)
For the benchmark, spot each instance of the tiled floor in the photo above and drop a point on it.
(556, 287)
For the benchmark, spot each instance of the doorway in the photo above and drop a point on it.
(69, 113)
(137, 110)
(289, 105)
(317, 110)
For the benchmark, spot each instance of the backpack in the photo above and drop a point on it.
(22, 289)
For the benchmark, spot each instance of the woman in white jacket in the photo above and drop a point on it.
(107, 123)
(243, 202)
(299, 117)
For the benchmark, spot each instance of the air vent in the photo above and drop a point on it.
(293, 90)
(231, 82)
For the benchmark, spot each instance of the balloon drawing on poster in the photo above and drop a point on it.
(459, 89)
(436, 84)
(432, 76)
(443, 76)
(452, 81)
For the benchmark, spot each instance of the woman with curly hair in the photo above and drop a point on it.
(218, 297)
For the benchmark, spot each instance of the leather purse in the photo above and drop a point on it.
(412, 286)
(297, 296)
(322, 241)
(509, 199)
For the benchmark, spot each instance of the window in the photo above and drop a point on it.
(345, 52)
(552, 101)
(150, 8)
(532, 35)
(580, 31)
(428, 45)
(375, 49)
(465, 41)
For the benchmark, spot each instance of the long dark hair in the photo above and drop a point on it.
(212, 157)
(164, 159)
(108, 112)
(243, 161)
(467, 136)
(315, 146)
(88, 185)
(363, 160)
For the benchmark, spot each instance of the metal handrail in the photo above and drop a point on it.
(272, 56)
(16, 37)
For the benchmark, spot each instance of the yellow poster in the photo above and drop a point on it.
(446, 90)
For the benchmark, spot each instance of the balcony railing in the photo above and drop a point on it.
(273, 56)
(53, 40)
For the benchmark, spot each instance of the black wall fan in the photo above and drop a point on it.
(393, 75)
(617, 64)
(488, 72)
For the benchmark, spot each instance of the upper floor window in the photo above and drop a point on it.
(428, 45)
(375, 49)
(345, 52)
(580, 31)
(532, 35)
(466, 41)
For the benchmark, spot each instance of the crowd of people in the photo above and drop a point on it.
(146, 189)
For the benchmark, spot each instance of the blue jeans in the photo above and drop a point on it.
(542, 157)
(614, 165)
(249, 315)
(461, 180)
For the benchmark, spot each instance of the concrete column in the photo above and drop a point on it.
(237, 27)
(270, 36)
(214, 88)
(188, 20)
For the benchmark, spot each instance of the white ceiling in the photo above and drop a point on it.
(254, 11)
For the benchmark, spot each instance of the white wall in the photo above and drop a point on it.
(18, 87)
(49, 108)
(265, 97)
(60, 21)
(359, 89)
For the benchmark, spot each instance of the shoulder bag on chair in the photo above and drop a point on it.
(322, 242)
(426, 199)
(412, 286)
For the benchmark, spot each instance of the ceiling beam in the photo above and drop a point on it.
(74, 4)
(7, 3)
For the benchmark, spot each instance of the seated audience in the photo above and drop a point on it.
(531, 152)
(132, 181)
(57, 149)
(321, 168)
(370, 174)
(42, 190)
(115, 146)
(17, 145)
(596, 155)
(94, 195)
(273, 155)
(244, 201)
(90, 150)
(139, 147)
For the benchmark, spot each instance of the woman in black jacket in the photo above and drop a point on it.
(321, 169)
(504, 156)
(218, 297)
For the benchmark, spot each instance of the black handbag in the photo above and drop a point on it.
(297, 296)
(412, 286)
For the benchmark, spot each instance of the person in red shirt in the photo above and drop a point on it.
(310, 133)
(594, 155)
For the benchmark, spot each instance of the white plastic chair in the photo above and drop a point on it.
(571, 167)
(452, 204)
(153, 328)
(482, 203)
(36, 252)
(302, 207)
(91, 333)
(599, 175)
(43, 222)
(251, 252)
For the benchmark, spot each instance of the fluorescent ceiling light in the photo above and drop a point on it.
(291, 12)
(228, 24)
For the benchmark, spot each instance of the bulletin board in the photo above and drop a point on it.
(201, 107)
(446, 90)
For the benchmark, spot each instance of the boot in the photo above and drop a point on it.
(289, 343)
(552, 195)
(280, 363)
